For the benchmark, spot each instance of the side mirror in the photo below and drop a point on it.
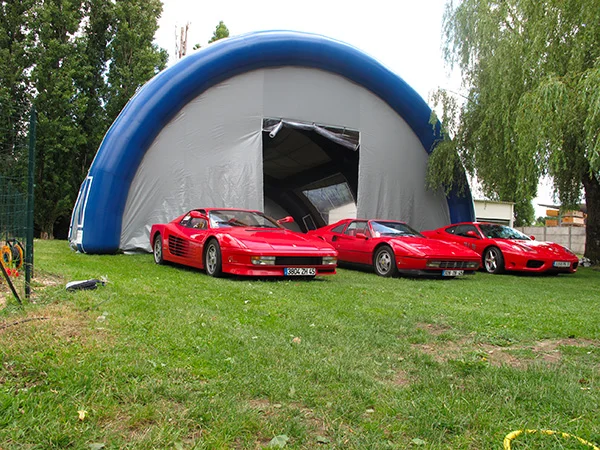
(532, 237)
(361, 236)
(287, 219)
(472, 234)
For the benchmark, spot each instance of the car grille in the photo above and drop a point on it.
(454, 264)
(534, 264)
(298, 261)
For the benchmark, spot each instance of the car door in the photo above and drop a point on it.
(467, 235)
(352, 248)
(186, 240)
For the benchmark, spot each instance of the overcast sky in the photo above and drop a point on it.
(404, 35)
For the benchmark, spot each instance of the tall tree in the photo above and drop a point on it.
(14, 86)
(79, 62)
(134, 57)
(56, 23)
(532, 71)
(220, 32)
(90, 80)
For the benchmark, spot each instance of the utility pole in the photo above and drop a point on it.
(181, 40)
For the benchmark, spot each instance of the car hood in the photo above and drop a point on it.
(433, 248)
(261, 239)
(549, 249)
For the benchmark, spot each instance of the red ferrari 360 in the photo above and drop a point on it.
(504, 248)
(240, 242)
(392, 247)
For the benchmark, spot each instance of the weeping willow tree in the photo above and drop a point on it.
(531, 70)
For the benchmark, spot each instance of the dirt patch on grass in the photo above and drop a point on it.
(52, 329)
(518, 356)
(38, 284)
(316, 425)
(435, 329)
(401, 379)
(260, 404)
(441, 351)
(57, 321)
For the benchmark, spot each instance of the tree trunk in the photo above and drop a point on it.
(592, 232)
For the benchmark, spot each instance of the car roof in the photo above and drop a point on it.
(367, 220)
(226, 209)
(474, 223)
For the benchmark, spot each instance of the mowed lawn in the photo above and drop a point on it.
(164, 357)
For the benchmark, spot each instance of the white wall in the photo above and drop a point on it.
(571, 237)
(494, 211)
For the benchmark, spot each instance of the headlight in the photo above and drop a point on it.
(568, 250)
(433, 263)
(472, 265)
(329, 260)
(263, 260)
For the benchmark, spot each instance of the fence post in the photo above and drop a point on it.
(30, 186)
(570, 243)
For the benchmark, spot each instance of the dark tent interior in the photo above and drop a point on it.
(309, 169)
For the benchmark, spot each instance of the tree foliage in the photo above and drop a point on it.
(134, 59)
(532, 72)
(220, 32)
(78, 62)
(14, 104)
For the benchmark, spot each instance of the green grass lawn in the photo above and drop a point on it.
(164, 357)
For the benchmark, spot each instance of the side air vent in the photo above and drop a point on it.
(178, 246)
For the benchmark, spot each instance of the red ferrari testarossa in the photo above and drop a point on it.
(240, 242)
(392, 247)
(504, 248)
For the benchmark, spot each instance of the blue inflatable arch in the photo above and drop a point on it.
(97, 216)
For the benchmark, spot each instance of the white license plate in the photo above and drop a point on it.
(299, 271)
(452, 273)
(562, 264)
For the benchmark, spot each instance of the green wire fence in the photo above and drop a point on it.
(17, 158)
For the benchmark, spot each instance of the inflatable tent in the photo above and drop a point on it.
(285, 122)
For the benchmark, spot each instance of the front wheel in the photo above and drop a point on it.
(212, 259)
(158, 250)
(493, 260)
(384, 262)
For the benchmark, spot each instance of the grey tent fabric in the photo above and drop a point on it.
(211, 153)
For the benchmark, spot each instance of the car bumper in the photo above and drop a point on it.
(240, 264)
(539, 265)
(424, 266)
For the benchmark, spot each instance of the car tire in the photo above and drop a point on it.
(384, 262)
(157, 250)
(493, 260)
(212, 259)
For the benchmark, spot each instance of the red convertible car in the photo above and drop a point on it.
(392, 247)
(240, 242)
(504, 248)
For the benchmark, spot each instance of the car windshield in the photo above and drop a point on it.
(237, 218)
(400, 229)
(492, 231)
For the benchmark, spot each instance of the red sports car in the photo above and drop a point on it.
(504, 248)
(392, 247)
(240, 242)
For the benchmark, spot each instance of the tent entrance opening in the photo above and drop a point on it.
(310, 171)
